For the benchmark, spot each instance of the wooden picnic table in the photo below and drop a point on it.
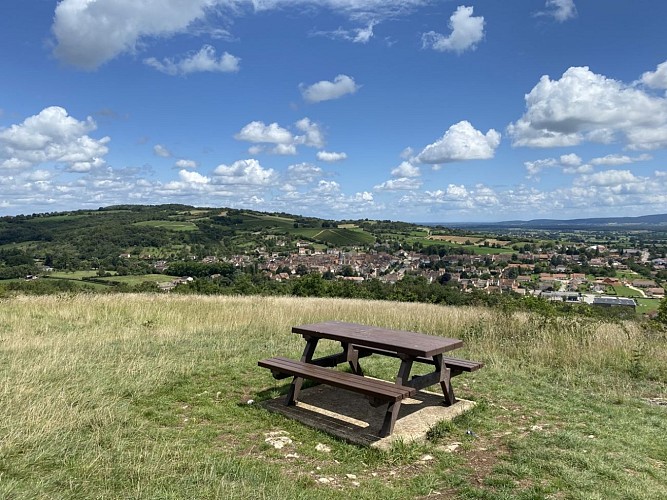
(359, 341)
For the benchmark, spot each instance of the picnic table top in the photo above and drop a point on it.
(400, 341)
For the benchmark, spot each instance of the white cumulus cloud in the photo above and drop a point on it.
(193, 177)
(616, 160)
(609, 178)
(183, 163)
(325, 90)
(203, 61)
(245, 172)
(330, 156)
(90, 33)
(569, 163)
(406, 169)
(285, 142)
(584, 106)
(303, 173)
(656, 79)
(560, 10)
(399, 184)
(52, 136)
(467, 32)
(312, 134)
(258, 131)
(461, 142)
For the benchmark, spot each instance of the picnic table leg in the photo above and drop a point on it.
(394, 407)
(390, 418)
(404, 371)
(297, 382)
(352, 357)
(445, 380)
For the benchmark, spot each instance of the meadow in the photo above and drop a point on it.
(147, 396)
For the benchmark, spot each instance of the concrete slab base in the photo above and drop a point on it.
(349, 415)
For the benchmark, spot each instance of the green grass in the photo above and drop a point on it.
(627, 274)
(59, 218)
(73, 275)
(79, 283)
(251, 221)
(624, 291)
(645, 306)
(144, 396)
(171, 225)
(337, 236)
(139, 278)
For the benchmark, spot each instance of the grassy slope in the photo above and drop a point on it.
(170, 225)
(142, 396)
(337, 236)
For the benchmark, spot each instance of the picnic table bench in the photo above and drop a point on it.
(359, 341)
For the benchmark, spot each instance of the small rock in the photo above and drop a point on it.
(292, 455)
(351, 476)
(323, 480)
(426, 458)
(278, 442)
(323, 448)
(374, 474)
(591, 436)
(536, 428)
(250, 401)
(451, 448)
(356, 483)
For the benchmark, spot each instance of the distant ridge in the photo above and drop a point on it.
(657, 221)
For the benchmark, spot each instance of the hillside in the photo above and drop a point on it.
(657, 222)
(146, 396)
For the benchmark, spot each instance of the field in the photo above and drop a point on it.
(624, 291)
(138, 279)
(645, 306)
(458, 240)
(468, 240)
(73, 275)
(339, 237)
(171, 225)
(146, 396)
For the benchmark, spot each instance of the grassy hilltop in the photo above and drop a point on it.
(144, 396)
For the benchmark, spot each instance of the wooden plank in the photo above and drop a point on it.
(411, 343)
(463, 364)
(350, 381)
(340, 379)
(365, 351)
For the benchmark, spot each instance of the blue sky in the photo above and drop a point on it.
(411, 110)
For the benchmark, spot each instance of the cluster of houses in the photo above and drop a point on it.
(495, 273)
